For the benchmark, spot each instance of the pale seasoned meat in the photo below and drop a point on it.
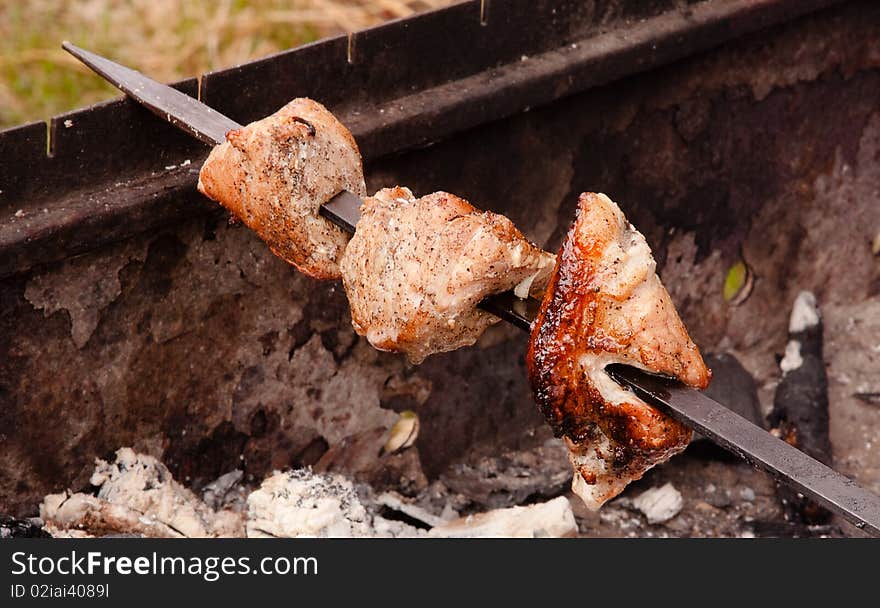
(416, 269)
(275, 173)
(605, 304)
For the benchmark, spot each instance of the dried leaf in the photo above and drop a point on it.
(403, 434)
(738, 283)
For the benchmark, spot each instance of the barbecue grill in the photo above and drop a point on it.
(182, 336)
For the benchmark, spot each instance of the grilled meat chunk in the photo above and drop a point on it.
(275, 173)
(416, 269)
(605, 304)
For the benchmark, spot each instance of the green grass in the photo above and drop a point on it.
(167, 39)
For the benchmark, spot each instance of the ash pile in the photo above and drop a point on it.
(135, 495)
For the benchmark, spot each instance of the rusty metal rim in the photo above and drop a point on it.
(97, 187)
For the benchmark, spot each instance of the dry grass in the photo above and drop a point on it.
(168, 39)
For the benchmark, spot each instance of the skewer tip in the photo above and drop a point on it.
(74, 50)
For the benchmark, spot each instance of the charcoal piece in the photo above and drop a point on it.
(800, 405)
(11, 527)
(789, 529)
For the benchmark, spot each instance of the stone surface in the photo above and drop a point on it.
(852, 352)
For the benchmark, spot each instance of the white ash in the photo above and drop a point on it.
(226, 492)
(394, 501)
(305, 504)
(792, 359)
(136, 494)
(300, 503)
(449, 512)
(659, 504)
(85, 516)
(551, 519)
(804, 312)
(387, 528)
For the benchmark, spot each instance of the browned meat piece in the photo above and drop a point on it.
(275, 173)
(605, 304)
(416, 269)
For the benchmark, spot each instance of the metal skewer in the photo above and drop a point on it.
(752, 443)
(206, 125)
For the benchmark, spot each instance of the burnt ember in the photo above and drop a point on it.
(800, 407)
